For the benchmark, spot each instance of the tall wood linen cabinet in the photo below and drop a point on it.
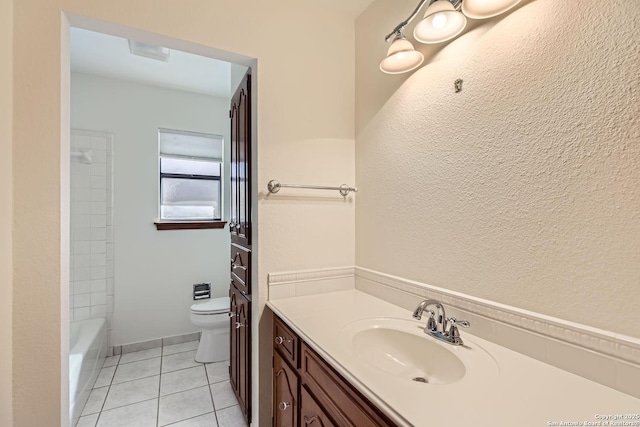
(240, 229)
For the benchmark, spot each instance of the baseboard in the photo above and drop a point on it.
(154, 343)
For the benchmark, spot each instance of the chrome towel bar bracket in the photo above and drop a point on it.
(274, 186)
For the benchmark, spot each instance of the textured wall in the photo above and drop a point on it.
(305, 131)
(6, 279)
(523, 188)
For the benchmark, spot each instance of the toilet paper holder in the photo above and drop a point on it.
(201, 291)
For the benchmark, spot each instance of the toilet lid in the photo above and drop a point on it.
(212, 306)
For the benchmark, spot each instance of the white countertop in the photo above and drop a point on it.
(524, 392)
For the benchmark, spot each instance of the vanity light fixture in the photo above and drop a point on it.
(443, 20)
(401, 57)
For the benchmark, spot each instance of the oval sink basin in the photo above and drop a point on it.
(405, 355)
(400, 350)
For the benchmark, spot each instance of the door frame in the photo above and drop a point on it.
(69, 20)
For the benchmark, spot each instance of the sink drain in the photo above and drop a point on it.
(420, 380)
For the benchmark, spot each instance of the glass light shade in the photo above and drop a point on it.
(482, 9)
(401, 58)
(441, 23)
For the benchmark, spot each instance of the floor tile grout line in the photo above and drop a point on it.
(159, 388)
(215, 413)
(188, 389)
(107, 395)
(136, 379)
(190, 418)
(129, 404)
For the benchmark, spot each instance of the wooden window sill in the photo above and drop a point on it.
(189, 225)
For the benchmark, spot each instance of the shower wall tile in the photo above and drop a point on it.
(98, 273)
(98, 298)
(98, 220)
(98, 311)
(83, 300)
(82, 287)
(99, 247)
(98, 234)
(98, 260)
(99, 156)
(92, 248)
(81, 208)
(99, 285)
(83, 313)
(80, 141)
(81, 248)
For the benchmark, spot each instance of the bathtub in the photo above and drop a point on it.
(87, 351)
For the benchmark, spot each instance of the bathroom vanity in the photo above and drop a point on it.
(350, 359)
(307, 388)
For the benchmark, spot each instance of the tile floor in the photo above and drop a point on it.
(163, 386)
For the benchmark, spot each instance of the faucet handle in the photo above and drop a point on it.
(462, 323)
(431, 323)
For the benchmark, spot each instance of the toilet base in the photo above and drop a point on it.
(213, 347)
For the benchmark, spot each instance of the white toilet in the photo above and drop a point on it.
(213, 317)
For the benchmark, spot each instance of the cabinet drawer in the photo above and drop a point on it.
(311, 414)
(339, 399)
(241, 267)
(286, 341)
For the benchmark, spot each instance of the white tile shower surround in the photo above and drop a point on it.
(601, 356)
(91, 246)
(162, 386)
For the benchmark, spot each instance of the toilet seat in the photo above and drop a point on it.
(212, 306)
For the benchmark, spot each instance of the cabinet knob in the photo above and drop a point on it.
(239, 325)
(284, 405)
(280, 340)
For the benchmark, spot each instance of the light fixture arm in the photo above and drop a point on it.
(397, 32)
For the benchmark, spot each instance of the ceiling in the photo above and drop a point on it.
(351, 8)
(108, 56)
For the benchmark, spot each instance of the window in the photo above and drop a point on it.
(190, 177)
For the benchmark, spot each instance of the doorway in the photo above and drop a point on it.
(152, 271)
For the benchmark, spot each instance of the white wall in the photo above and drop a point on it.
(305, 116)
(154, 270)
(6, 276)
(523, 188)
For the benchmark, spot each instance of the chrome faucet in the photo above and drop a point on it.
(437, 327)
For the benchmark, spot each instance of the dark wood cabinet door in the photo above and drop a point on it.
(240, 229)
(311, 414)
(241, 268)
(240, 113)
(240, 361)
(285, 393)
(233, 335)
